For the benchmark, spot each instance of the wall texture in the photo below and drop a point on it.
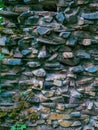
(49, 75)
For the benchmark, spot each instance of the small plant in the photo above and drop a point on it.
(19, 127)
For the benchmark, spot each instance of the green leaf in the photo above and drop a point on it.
(13, 128)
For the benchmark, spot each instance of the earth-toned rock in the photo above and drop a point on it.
(49, 64)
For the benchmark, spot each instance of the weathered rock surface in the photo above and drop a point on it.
(49, 64)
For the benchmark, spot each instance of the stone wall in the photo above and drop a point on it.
(49, 75)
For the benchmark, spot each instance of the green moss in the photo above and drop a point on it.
(34, 116)
(1, 28)
(13, 114)
(31, 95)
(21, 104)
(17, 31)
(3, 114)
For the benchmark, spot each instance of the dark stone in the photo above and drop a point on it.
(48, 85)
(72, 62)
(30, 1)
(8, 14)
(25, 15)
(33, 20)
(47, 42)
(21, 44)
(6, 95)
(34, 100)
(72, 41)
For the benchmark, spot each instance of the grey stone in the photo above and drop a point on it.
(39, 72)
(78, 69)
(33, 20)
(75, 94)
(47, 42)
(12, 61)
(65, 35)
(91, 16)
(33, 64)
(75, 114)
(82, 54)
(61, 18)
(26, 52)
(42, 54)
(72, 41)
(43, 30)
(2, 41)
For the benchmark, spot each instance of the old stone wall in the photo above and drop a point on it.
(49, 73)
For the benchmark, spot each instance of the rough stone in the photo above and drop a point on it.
(91, 16)
(43, 30)
(65, 34)
(39, 72)
(2, 41)
(75, 114)
(65, 123)
(68, 55)
(12, 61)
(86, 42)
(61, 18)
